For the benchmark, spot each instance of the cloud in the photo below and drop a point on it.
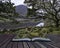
(17, 2)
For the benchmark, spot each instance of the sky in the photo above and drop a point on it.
(17, 2)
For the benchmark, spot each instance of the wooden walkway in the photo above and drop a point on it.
(6, 42)
(5, 39)
(27, 45)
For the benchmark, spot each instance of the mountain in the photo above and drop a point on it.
(21, 10)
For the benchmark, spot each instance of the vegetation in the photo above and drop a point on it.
(51, 7)
(7, 11)
(51, 18)
(33, 32)
(32, 4)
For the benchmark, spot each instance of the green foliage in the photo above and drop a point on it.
(7, 11)
(55, 32)
(44, 32)
(33, 32)
(7, 7)
(51, 9)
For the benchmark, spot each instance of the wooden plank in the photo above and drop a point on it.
(25, 45)
(9, 45)
(51, 45)
(41, 45)
(2, 37)
(15, 45)
(5, 39)
(30, 45)
(35, 45)
(5, 45)
(20, 45)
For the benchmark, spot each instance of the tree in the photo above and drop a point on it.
(7, 10)
(52, 7)
(32, 4)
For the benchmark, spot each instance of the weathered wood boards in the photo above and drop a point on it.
(6, 42)
(5, 39)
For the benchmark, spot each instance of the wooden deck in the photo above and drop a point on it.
(6, 42)
(28, 45)
(5, 39)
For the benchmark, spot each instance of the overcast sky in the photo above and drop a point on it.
(17, 2)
